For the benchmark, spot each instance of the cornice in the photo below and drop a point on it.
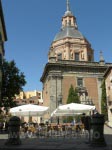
(66, 66)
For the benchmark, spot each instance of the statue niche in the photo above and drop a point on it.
(64, 55)
(82, 55)
(71, 54)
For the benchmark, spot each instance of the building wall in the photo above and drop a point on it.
(109, 85)
(3, 38)
(108, 81)
(67, 81)
(89, 82)
(51, 92)
(60, 77)
(92, 88)
(34, 97)
(46, 93)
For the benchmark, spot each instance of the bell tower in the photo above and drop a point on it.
(68, 19)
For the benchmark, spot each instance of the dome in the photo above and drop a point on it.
(68, 31)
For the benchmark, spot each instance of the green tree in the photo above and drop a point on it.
(104, 101)
(70, 98)
(73, 96)
(12, 82)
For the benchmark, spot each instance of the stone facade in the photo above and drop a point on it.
(58, 78)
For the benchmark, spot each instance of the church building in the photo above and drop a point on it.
(71, 62)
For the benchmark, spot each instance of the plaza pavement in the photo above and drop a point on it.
(59, 143)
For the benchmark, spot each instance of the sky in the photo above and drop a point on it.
(31, 26)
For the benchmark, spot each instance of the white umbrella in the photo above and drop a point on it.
(72, 109)
(28, 110)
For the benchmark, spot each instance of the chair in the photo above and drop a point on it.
(63, 130)
(69, 131)
(48, 130)
(57, 130)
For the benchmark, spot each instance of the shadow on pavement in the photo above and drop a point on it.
(108, 139)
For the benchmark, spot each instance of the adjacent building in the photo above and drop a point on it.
(108, 83)
(29, 97)
(71, 62)
(3, 38)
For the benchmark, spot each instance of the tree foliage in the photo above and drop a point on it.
(12, 82)
(73, 96)
(70, 98)
(104, 101)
